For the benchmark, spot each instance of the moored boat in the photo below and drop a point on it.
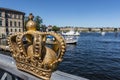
(71, 37)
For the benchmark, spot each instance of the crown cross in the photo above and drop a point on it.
(31, 53)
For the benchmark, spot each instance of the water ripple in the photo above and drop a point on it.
(95, 57)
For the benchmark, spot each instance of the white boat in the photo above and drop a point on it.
(71, 37)
(102, 33)
(71, 40)
(71, 33)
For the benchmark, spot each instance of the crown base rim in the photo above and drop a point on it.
(43, 74)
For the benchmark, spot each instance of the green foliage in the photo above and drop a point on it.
(43, 28)
(55, 28)
(25, 22)
(38, 21)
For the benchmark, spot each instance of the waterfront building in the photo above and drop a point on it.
(11, 21)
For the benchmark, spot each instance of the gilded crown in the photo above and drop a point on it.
(31, 53)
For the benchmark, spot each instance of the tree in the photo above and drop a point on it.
(25, 22)
(55, 28)
(38, 21)
(43, 28)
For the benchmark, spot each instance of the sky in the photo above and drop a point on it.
(76, 13)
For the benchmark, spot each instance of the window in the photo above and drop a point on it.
(15, 16)
(21, 16)
(6, 23)
(11, 23)
(18, 16)
(15, 24)
(6, 15)
(15, 30)
(10, 16)
(11, 30)
(0, 22)
(0, 14)
(19, 30)
(19, 24)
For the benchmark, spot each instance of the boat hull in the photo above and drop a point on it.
(71, 41)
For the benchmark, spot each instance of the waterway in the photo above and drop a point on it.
(95, 57)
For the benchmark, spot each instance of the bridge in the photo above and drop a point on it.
(9, 71)
(83, 29)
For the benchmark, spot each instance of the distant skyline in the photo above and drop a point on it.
(76, 13)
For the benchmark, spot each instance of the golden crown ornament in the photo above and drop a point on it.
(31, 52)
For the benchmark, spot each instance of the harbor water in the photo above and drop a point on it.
(95, 57)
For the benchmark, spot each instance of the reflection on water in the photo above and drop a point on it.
(95, 57)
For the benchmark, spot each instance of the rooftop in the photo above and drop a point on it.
(12, 10)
